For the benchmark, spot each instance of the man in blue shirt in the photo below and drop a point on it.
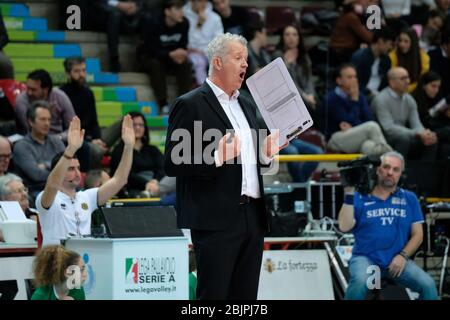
(387, 225)
(351, 128)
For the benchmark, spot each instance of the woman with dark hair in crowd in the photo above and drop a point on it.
(148, 161)
(292, 49)
(410, 56)
(52, 268)
(434, 112)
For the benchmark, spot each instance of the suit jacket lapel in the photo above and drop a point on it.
(215, 105)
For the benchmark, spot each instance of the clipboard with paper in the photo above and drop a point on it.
(279, 101)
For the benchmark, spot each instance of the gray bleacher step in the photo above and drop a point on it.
(45, 9)
(133, 78)
(127, 53)
(94, 37)
(143, 92)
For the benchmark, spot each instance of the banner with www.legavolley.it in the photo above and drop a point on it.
(136, 269)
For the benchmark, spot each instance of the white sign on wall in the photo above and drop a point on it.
(158, 272)
(295, 275)
(14, 274)
(135, 269)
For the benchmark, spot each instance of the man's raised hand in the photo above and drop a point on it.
(75, 136)
(128, 131)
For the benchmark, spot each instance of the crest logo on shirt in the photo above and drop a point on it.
(84, 206)
(400, 201)
(63, 206)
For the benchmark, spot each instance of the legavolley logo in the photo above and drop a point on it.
(131, 270)
(150, 270)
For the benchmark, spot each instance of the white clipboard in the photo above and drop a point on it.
(279, 101)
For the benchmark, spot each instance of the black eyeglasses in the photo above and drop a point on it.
(5, 156)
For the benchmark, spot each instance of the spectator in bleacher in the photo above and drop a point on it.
(13, 189)
(5, 155)
(409, 55)
(373, 63)
(234, 18)
(431, 33)
(349, 32)
(165, 52)
(420, 10)
(292, 49)
(433, 111)
(440, 63)
(95, 178)
(117, 16)
(396, 8)
(34, 153)
(396, 111)
(40, 87)
(443, 8)
(204, 25)
(148, 161)
(51, 268)
(387, 224)
(63, 210)
(258, 57)
(351, 128)
(83, 101)
(6, 66)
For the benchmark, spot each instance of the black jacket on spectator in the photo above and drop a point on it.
(83, 102)
(149, 158)
(159, 39)
(236, 22)
(441, 65)
(363, 59)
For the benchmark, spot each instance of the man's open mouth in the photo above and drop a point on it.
(242, 75)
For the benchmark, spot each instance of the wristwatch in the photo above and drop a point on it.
(404, 255)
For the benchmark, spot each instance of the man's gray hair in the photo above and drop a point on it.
(5, 180)
(218, 47)
(394, 154)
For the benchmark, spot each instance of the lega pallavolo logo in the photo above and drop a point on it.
(89, 285)
(131, 270)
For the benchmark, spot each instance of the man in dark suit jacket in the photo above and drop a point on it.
(440, 63)
(221, 202)
(365, 58)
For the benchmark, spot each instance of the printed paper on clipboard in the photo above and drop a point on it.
(279, 101)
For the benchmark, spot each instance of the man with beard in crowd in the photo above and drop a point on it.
(83, 102)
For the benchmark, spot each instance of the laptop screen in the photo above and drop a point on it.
(136, 222)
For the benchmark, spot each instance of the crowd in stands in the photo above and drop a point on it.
(386, 89)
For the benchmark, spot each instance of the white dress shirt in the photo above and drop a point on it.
(233, 110)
